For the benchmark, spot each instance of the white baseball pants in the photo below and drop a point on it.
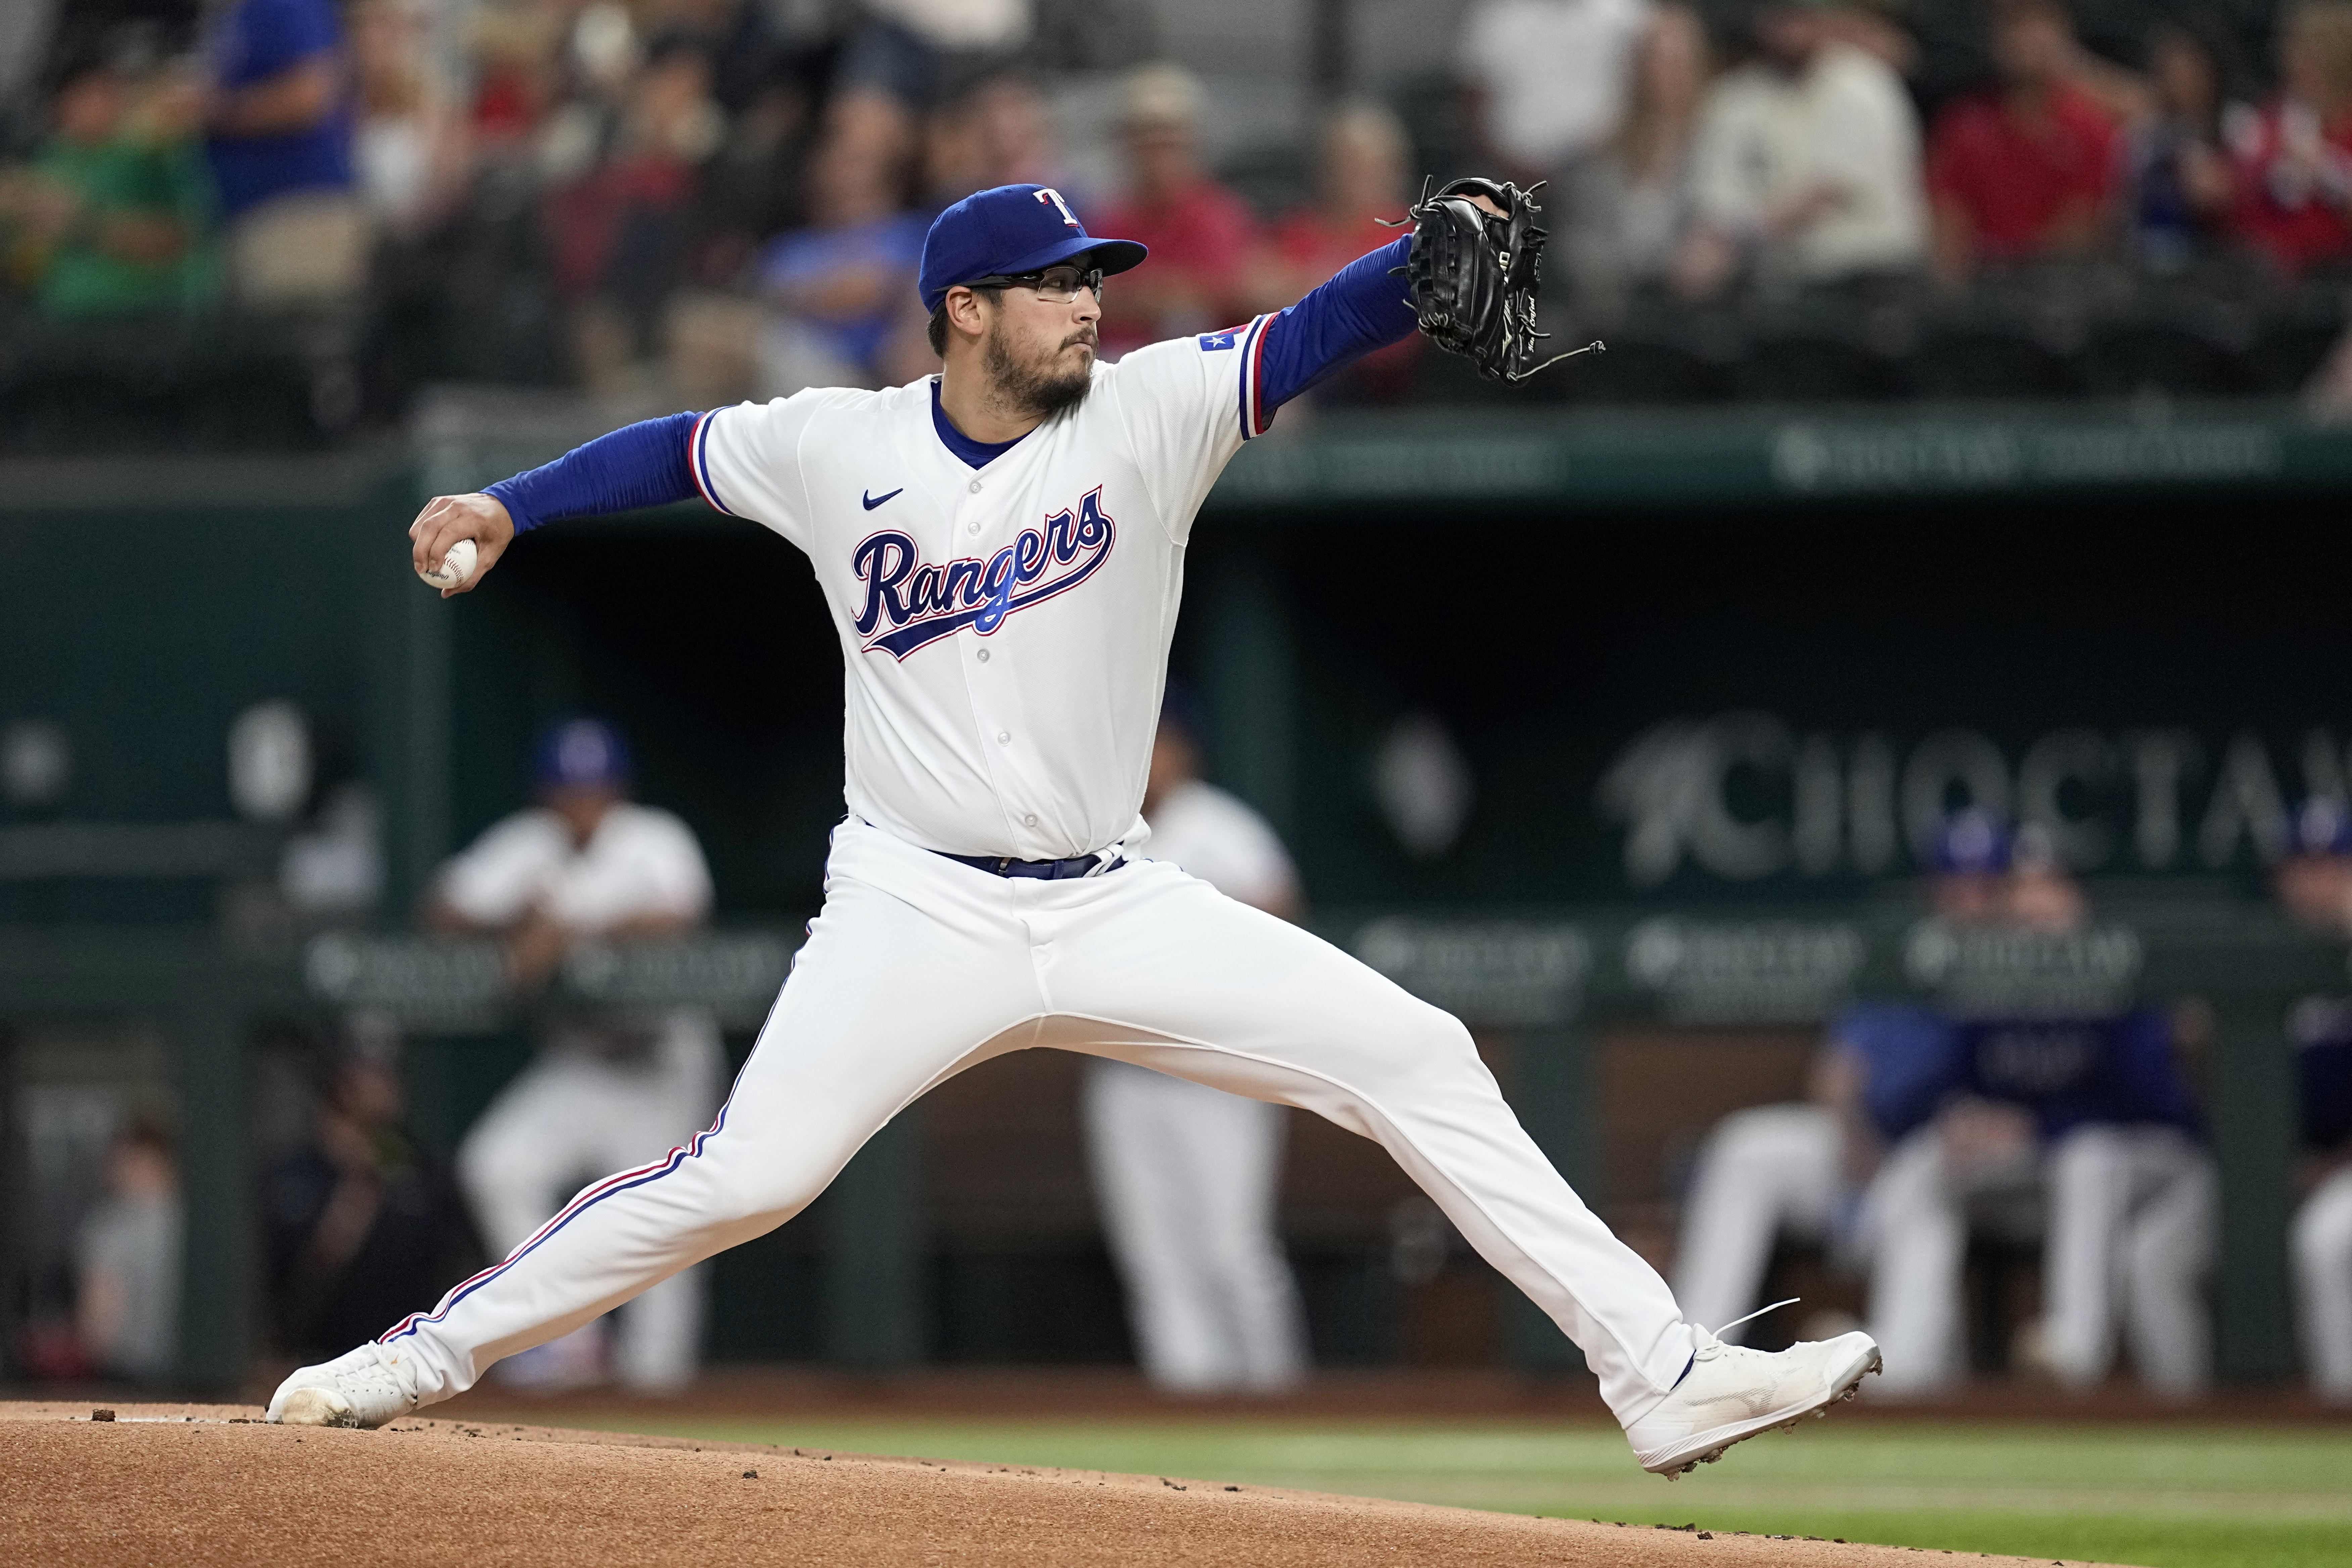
(2323, 1277)
(571, 1114)
(919, 967)
(1916, 1224)
(1763, 1172)
(2133, 1212)
(1187, 1179)
(2129, 1234)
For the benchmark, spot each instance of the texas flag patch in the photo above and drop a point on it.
(1229, 337)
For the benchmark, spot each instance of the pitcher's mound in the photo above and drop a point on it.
(184, 1483)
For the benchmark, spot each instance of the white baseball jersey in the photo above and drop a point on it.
(1218, 838)
(1005, 628)
(640, 862)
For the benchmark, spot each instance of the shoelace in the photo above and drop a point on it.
(1753, 1315)
(1714, 1340)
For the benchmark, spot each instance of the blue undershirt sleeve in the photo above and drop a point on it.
(638, 464)
(1359, 308)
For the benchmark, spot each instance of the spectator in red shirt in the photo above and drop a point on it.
(1200, 234)
(1363, 182)
(2294, 159)
(515, 71)
(2028, 170)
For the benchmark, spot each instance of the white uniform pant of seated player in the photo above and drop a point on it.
(2130, 1215)
(572, 1116)
(1187, 1178)
(919, 967)
(1764, 1172)
(2323, 1273)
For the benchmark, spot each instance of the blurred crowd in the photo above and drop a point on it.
(723, 198)
(718, 198)
(1793, 150)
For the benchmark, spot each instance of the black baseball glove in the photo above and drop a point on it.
(1472, 276)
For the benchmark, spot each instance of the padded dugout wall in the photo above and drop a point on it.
(1548, 627)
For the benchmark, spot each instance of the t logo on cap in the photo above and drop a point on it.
(1006, 232)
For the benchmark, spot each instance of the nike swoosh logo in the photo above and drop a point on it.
(872, 502)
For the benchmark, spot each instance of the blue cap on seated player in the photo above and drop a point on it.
(580, 753)
(1970, 842)
(2321, 826)
(1007, 231)
(2314, 878)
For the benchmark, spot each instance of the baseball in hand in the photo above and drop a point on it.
(456, 566)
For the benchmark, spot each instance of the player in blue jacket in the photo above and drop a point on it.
(2322, 1031)
(2085, 1126)
(1800, 1169)
(2315, 883)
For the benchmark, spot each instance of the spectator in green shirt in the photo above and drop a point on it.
(116, 211)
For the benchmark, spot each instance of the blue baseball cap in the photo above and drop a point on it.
(1970, 842)
(580, 753)
(1011, 229)
(2322, 827)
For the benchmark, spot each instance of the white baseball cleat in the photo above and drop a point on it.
(1732, 1393)
(366, 1388)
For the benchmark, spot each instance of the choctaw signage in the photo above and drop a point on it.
(1742, 797)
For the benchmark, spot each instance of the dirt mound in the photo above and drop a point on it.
(166, 1483)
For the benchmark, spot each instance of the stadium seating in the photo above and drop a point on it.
(228, 382)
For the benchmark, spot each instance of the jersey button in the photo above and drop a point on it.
(975, 487)
(1030, 820)
(974, 528)
(1005, 737)
(983, 656)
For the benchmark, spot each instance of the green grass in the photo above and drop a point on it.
(2167, 1497)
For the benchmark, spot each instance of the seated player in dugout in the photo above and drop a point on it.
(609, 1088)
(2087, 1132)
(2081, 1132)
(1001, 548)
(2314, 886)
(1797, 1170)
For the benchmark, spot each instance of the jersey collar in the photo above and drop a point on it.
(975, 453)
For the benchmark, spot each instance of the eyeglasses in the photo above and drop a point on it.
(1055, 284)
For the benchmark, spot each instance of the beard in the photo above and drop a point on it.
(1037, 386)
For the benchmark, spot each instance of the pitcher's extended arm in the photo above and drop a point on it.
(638, 464)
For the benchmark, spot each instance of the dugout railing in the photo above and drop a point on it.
(1544, 980)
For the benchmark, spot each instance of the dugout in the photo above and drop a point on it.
(1712, 666)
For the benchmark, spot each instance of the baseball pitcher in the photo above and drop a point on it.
(1002, 550)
